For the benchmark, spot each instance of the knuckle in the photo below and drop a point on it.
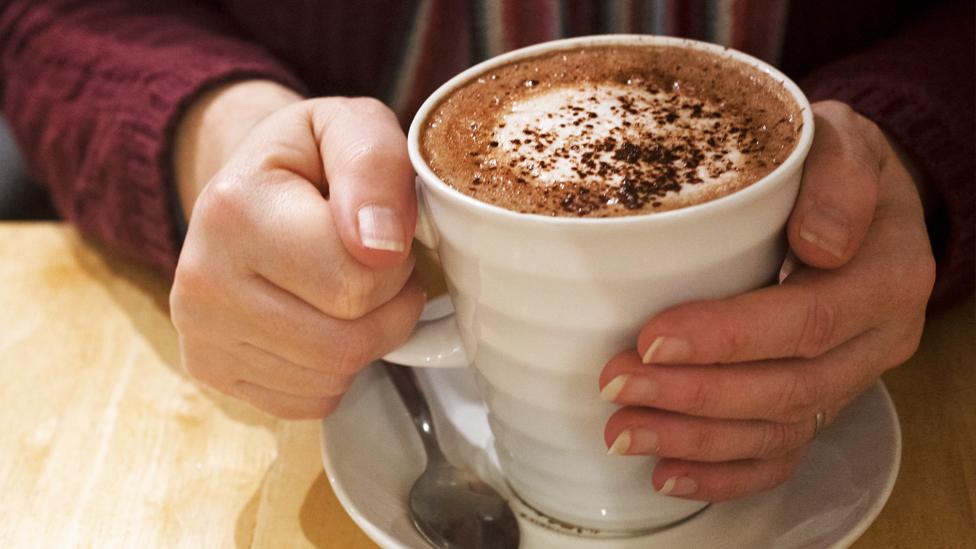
(844, 114)
(737, 341)
(907, 342)
(817, 332)
(368, 106)
(697, 398)
(865, 151)
(202, 371)
(354, 112)
(864, 168)
(353, 354)
(703, 444)
(180, 305)
(222, 206)
(798, 399)
(361, 153)
(910, 284)
(920, 280)
(836, 110)
(778, 439)
(189, 284)
(833, 105)
(868, 130)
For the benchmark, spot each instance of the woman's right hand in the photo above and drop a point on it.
(295, 272)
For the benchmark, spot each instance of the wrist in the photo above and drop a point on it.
(214, 125)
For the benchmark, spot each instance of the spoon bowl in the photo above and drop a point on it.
(450, 507)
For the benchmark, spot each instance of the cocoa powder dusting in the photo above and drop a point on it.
(639, 129)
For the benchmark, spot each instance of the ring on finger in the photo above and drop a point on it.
(819, 421)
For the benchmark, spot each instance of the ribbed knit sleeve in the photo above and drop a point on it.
(919, 88)
(93, 91)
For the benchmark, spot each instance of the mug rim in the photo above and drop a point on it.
(432, 182)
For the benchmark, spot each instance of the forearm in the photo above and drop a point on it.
(94, 91)
(214, 125)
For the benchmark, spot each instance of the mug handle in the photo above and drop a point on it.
(436, 341)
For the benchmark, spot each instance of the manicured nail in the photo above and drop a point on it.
(620, 445)
(380, 228)
(789, 265)
(666, 350)
(678, 486)
(611, 390)
(640, 389)
(828, 229)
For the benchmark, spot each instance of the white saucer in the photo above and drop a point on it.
(372, 456)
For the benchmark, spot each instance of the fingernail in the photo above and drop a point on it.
(639, 389)
(828, 229)
(380, 228)
(789, 265)
(611, 390)
(678, 486)
(620, 445)
(666, 350)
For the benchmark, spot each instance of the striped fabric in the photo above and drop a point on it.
(446, 36)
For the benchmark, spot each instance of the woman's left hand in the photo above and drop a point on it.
(727, 392)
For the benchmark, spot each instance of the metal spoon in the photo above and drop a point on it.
(450, 507)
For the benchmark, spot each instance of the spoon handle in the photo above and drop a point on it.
(406, 386)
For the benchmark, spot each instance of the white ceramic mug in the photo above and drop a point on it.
(541, 303)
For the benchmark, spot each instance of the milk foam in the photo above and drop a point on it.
(554, 132)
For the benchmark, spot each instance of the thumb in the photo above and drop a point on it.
(839, 191)
(369, 177)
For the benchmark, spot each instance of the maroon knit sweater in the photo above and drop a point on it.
(94, 89)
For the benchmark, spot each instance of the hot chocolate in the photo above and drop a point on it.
(611, 130)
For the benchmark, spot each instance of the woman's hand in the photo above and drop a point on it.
(295, 272)
(726, 392)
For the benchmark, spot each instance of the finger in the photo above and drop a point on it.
(370, 179)
(219, 369)
(257, 312)
(781, 390)
(647, 431)
(266, 369)
(811, 312)
(722, 481)
(284, 405)
(272, 319)
(839, 190)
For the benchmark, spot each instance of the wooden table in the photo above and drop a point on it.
(104, 441)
